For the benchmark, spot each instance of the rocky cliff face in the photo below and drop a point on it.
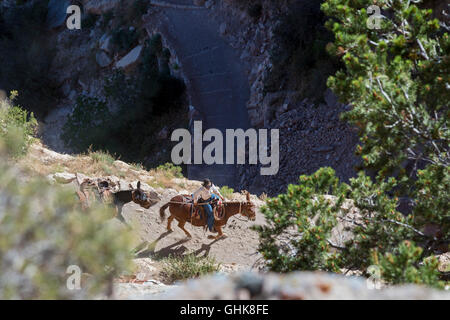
(311, 134)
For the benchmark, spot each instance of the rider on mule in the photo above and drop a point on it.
(208, 192)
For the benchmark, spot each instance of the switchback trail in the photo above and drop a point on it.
(216, 82)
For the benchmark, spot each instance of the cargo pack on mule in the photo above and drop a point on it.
(183, 210)
(105, 191)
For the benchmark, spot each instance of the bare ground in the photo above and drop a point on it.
(237, 250)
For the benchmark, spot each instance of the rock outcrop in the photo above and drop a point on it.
(130, 59)
(293, 286)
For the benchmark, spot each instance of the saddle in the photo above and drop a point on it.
(95, 191)
(198, 212)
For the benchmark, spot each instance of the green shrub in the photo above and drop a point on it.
(189, 266)
(400, 106)
(397, 84)
(170, 170)
(301, 223)
(226, 191)
(405, 265)
(143, 105)
(17, 127)
(43, 233)
(87, 125)
(291, 240)
(299, 58)
(102, 157)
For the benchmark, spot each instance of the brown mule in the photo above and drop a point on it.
(181, 211)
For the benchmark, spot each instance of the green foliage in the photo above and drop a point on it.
(381, 227)
(300, 222)
(43, 233)
(170, 170)
(432, 201)
(188, 266)
(299, 58)
(102, 157)
(396, 79)
(142, 104)
(303, 223)
(405, 265)
(17, 127)
(226, 191)
(87, 125)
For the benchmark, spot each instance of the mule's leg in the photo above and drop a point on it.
(119, 215)
(220, 235)
(181, 225)
(169, 222)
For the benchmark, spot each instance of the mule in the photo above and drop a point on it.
(180, 210)
(116, 200)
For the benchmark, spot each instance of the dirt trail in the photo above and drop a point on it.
(238, 249)
(216, 81)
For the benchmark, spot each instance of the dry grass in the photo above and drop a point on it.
(41, 161)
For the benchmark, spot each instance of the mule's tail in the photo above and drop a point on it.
(162, 212)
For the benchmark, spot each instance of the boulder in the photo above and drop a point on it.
(122, 166)
(64, 177)
(131, 59)
(102, 58)
(292, 286)
(105, 43)
(57, 13)
(46, 156)
(444, 262)
(223, 28)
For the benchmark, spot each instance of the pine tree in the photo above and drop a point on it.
(396, 81)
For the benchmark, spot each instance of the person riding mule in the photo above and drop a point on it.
(180, 210)
(207, 194)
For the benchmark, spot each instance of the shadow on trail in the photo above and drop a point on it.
(150, 247)
(206, 248)
(147, 249)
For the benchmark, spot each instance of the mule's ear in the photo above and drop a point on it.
(139, 185)
(248, 196)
